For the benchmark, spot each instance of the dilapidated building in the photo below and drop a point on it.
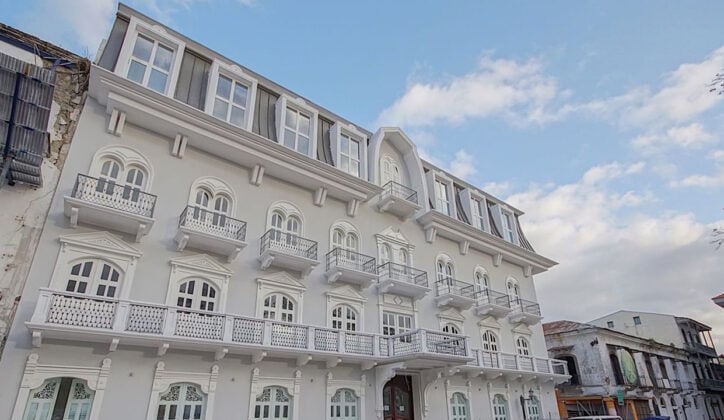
(42, 90)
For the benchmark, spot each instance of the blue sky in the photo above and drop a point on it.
(593, 117)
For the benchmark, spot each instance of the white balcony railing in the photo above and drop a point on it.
(141, 322)
(515, 362)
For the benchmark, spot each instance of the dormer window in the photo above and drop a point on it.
(296, 125)
(230, 101)
(508, 227)
(349, 147)
(150, 63)
(480, 213)
(442, 198)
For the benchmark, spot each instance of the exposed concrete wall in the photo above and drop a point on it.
(25, 207)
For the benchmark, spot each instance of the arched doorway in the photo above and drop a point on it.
(397, 399)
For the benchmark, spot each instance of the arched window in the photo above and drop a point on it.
(451, 329)
(69, 397)
(404, 257)
(390, 171)
(344, 317)
(279, 307)
(490, 341)
(344, 405)
(274, 403)
(445, 269)
(94, 277)
(513, 292)
(385, 254)
(572, 369)
(500, 407)
(182, 401)
(533, 408)
(212, 200)
(522, 346)
(123, 181)
(197, 294)
(285, 221)
(481, 280)
(459, 407)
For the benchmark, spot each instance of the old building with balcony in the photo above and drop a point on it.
(617, 374)
(221, 248)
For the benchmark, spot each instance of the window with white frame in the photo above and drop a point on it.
(198, 294)
(480, 213)
(274, 403)
(459, 407)
(70, 398)
(211, 209)
(344, 405)
(445, 274)
(395, 323)
(182, 401)
(481, 280)
(125, 182)
(490, 341)
(513, 292)
(533, 408)
(522, 346)
(349, 155)
(94, 277)
(150, 63)
(451, 329)
(297, 130)
(385, 253)
(279, 307)
(231, 101)
(500, 407)
(442, 197)
(508, 226)
(390, 170)
(344, 317)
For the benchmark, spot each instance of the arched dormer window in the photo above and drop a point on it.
(95, 277)
(513, 291)
(390, 170)
(279, 307)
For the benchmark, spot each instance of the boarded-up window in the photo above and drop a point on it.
(109, 57)
(193, 79)
(324, 147)
(264, 114)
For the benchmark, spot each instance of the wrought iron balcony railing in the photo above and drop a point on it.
(109, 194)
(454, 287)
(489, 296)
(402, 273)
(394, 189)
(288, 243)
(213, 223)
(525, 306)
(339, 257)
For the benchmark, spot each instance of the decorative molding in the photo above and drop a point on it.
(320, 196)
(100, 240)
(256, 176)
(163, 380)
(497, 259)
(358, 387)
(430, 234)
(292, 385)
(353, 207)
(382, 375)
(201, 262)
(464, 246)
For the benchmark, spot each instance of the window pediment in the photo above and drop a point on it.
(394, 235)
(201, 262)
(523, 330)
(451, 315)
(102, 241)
(281, 279)
(346, 292)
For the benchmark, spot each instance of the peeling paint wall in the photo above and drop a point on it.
(24, 208)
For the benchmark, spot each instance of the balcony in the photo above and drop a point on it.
(351, 267)
(104, 203)
(211, 231)
(402, 280)
(514, 366)
(715, 385)
(399, 200)
(701, 349)
(451, 292)
(289, 251)
(488, 302)
(524, 312)
(69, 316)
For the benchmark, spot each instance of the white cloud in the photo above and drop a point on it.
(692, 136)
(498, 87)
(700, 181)
(717, 156)
(611, 171)
(463, 165)
(613, 255)
(497, 188)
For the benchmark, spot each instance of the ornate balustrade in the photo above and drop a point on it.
(60, 313)
(513, 362)
(109, 194)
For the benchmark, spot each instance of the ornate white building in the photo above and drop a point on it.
(219, 248)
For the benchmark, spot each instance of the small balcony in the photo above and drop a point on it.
(489, 302)
(515, 366)
(104, 203)
(399, 200)
(402, 280)
(71, 316)
(701, 349)
(351, 267)
(210, 231)
(289, 251)
(716, 385)
(454, 293)
(524, 312)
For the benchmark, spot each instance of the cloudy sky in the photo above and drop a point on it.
(594, 117)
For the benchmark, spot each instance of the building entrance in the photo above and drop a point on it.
(397, 398)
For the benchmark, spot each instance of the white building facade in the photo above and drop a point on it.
(219, 248)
